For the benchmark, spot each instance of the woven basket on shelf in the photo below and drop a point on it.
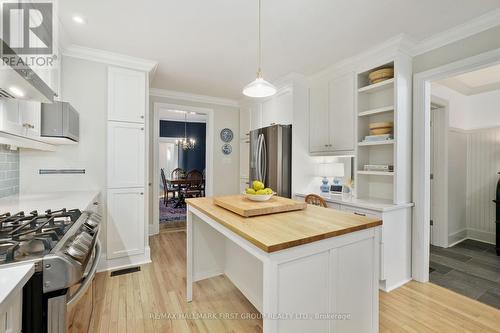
(381, 75)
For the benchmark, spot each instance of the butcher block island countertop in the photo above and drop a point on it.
(275, 232)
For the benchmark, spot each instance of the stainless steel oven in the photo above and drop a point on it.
(72, 310)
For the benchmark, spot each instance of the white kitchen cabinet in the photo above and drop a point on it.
(278, 109)
(126, 155)
(126, 95)
(332, 115)
(10, 120)
(30, 117)
(319, 139)
(395, 244)
(245, 119)
(125, 222)
(341, 113)
(245, 157)
(255, 116)
(244, 184)
(11, 314)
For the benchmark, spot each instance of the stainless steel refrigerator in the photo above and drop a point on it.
(271, 158)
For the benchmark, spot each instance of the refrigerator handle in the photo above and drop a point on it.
(264, 158)
(258, 157)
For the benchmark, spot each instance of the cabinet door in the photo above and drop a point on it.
(245, 157)
(126, 95)
(30, 113)
(283, 107)
(244, 184)
(255, 116)
(268, 113)
(10, 119)
(341, 107)
(126, 155)
(125, 222)
(318, 117)
(244, 122)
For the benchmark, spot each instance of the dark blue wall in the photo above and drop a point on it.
(188, 159)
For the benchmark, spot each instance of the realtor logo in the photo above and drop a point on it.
(27, 28)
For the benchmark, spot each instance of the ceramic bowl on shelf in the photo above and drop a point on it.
(259, 197)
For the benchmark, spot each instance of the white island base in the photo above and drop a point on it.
(330, 285)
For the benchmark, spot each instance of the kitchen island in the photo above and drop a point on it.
(313, 270)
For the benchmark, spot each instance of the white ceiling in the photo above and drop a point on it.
(476, 82)
(209, 47)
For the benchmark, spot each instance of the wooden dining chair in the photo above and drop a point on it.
(166, 188)
(194, 189)
(316, 200)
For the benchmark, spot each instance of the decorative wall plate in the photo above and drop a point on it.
(226, 135)
(227, 149)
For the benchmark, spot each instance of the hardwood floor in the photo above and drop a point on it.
(147, 301)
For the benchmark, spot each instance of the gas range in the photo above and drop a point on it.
(64, 246)
(31, 236)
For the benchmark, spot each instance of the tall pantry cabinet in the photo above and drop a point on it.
(126, 232)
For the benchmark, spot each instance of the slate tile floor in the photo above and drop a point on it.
(470, 268)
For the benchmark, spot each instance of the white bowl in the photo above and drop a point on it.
(258, 197)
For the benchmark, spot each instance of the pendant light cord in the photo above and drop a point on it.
(259, 71)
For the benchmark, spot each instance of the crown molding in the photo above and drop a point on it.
(378, 53)
(156, 92)
(81, 52)
(462, 31)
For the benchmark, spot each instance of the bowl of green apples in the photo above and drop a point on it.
(258, 192)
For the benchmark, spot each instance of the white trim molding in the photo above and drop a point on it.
(183, 96)
(421, 152)
(111, 58)
(154, 228)
(459, 32)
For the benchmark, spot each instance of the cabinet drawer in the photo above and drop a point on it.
(333, 205)
(361, 211)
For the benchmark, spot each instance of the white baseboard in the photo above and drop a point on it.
(125, 262)
(388, 288)
(207, 274)
(457, 237)
(154, 229)
(480, 235)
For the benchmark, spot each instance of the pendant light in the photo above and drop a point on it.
(186, 143)
(259, 87)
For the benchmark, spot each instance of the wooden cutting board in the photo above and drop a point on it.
(242, 206)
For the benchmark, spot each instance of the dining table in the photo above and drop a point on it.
(181, 183)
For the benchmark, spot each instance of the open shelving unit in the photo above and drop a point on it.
(386, 101)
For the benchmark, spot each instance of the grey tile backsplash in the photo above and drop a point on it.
(9, 171)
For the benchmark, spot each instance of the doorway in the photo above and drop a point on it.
(421, 152)
(464, 159)
(180, 170)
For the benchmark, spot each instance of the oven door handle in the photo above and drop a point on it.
(90, 276)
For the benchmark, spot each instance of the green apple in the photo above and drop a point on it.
(250, 190)
(257, 185)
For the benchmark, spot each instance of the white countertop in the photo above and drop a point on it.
(373, 204)
(47, 200)
(13, 279)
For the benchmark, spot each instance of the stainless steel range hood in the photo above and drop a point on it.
(21, 82)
